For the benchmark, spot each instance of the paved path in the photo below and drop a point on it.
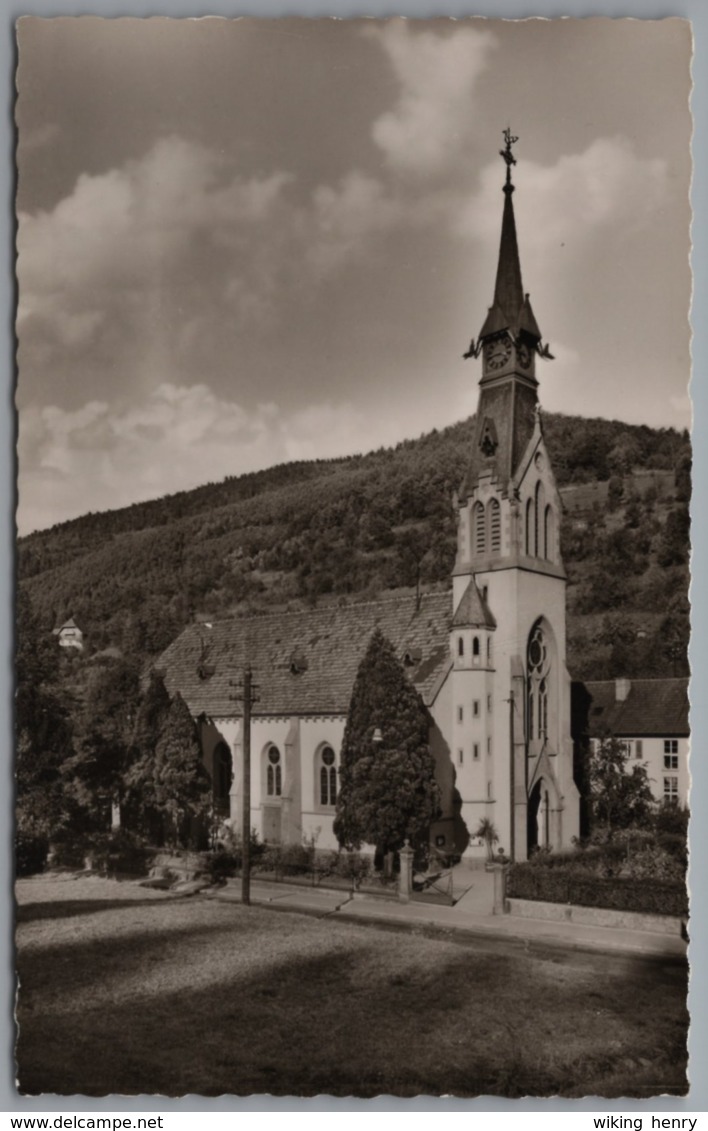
(472, 915)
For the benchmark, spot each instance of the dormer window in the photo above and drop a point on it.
(298, 662)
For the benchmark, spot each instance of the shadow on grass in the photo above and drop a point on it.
(355, 1016)
(65, 909)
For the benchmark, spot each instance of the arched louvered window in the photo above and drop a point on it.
(538, 520)
(548, 534)
(327, 776)
(529, 527)
(494, 513)
(274, 773)
(480, 533)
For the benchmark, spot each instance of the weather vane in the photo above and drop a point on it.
(507, 154)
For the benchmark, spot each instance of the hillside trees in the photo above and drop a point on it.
(338, 529)
(95, 774)
(388, 791)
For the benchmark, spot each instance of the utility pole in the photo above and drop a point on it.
(512, 779)
(246, 693)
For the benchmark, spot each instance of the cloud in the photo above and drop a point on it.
(346, 217)
(111, 275)
(430, 125)
(103, 456)
(132, 224)
(606, 186)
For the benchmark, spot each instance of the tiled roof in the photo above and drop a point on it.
(653, 708)
(472, 611)
(71, 623)
(324, 646)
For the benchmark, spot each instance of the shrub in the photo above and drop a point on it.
(30, 854)
(227, 858)
(558, 885)
(117, 851)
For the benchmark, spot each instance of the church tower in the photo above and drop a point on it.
(513, 754)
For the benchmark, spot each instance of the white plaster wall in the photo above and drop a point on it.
(653, 758)
(314, 734)
(517, 598)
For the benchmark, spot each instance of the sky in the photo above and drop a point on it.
(242, 242)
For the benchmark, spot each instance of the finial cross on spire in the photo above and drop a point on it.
(507, 154)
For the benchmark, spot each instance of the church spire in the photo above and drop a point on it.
(508, 290)
(511, 310)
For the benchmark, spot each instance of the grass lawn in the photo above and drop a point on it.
(124, 990)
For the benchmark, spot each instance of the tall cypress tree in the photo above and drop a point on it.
(388, 791)
(143, 809)
(182, 787)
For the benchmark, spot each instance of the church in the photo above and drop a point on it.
(487, 657)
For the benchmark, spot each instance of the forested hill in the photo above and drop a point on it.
(354, 527)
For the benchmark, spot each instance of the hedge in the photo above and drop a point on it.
(553, 885)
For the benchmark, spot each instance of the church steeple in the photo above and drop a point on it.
(510, 312)
(509, 341)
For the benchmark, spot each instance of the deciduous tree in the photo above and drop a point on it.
(619, 797)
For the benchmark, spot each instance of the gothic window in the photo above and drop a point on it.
(480, 533)
(475, 647)
(538, 664)
(328, 776)
(548, 533)
(538, 518)
(274, 773)
(494, 511)
(529, 527)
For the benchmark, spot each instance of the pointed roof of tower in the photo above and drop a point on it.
(511, 309)
(472, 611)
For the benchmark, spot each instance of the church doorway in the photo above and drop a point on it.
(538, 818)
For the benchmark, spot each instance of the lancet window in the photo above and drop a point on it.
(538, 668)
(327, 776)
(274, 773)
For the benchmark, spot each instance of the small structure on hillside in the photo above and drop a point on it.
(70, 635)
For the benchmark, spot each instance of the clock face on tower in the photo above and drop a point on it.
(497, 353)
